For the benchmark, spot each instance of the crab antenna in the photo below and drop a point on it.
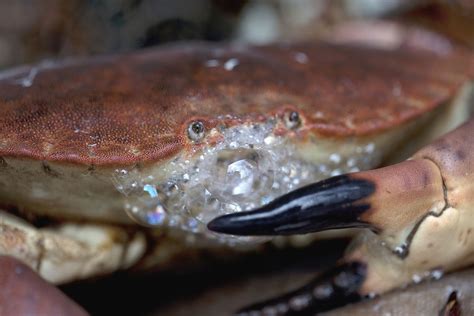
(387, 199)
(336, 202)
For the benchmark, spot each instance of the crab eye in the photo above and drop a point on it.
(292, 120)
(196, 131)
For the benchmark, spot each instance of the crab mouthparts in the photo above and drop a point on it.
(248, 169)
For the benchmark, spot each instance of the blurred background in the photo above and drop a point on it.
(31, 31)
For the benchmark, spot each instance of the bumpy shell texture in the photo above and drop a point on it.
(136, 107)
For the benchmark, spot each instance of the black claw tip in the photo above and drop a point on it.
(452, 306)
(332, 203)
(335, 288)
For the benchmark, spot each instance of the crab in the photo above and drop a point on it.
(171, 138)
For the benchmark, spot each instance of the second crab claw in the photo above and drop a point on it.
(333, 288)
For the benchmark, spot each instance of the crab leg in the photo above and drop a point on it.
(420, 215)
(69, 251)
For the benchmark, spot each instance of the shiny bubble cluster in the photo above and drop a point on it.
(434, 274)
(248, 168)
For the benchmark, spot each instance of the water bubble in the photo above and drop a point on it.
(231, 64)
(147, 212)
(157, 216)
(192, 224)
(231, 208)
(299, 302)
(335, 158)
(301, 57)
(336, 172)
(437, 274)
(171, 188)
(269, 311)
(282, 308)
(417, 278)
(175, 220)
(345, 280)
(146, 208)
(369, 148)
(213, 204)
(323, 291)
(351, 162)
(211, 63)
(241, 176)
(151, 190)
(202, 205)
(401, 250)
(269, 140)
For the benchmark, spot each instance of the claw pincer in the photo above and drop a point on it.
(337, 202)
(420, 215)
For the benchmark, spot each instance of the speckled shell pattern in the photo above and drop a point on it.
(126, 109)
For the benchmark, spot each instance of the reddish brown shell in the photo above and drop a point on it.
(134, 108)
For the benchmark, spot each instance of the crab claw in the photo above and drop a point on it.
(336, 287)
(336, 202)
(363, 199)
(420, 215)
(391, 201)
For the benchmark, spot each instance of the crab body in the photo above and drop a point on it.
(178, 135)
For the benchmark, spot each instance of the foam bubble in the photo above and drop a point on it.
(250, 167)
